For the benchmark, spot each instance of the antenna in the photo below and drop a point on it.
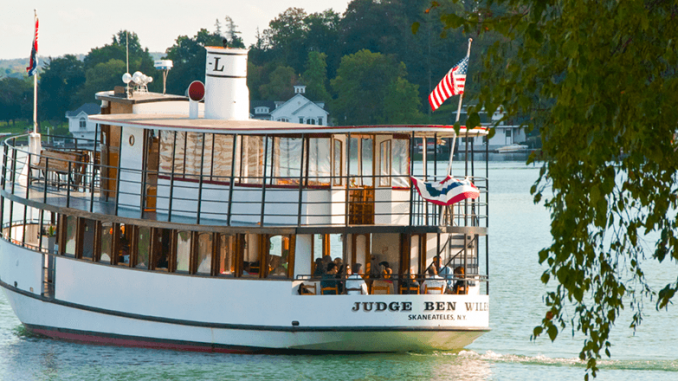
(165, 66)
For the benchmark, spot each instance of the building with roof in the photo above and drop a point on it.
(297, 109)
(79, 124)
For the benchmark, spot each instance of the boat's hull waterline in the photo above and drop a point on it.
(370, 323)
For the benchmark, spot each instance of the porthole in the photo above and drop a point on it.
(131, 140)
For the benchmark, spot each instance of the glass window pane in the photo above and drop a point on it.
(183, 250)
(143, 247)
(253, 159)
(71, 229)
(223, 157)
(338, 163)
(367, 160)
(124, 248)
(88, 239)
(227, 255)
(400, 168)
(106, 242)
(385, 163)
(319, 161)
(204, 253)
(354, 145)
(162, 249)
(287, 159)
(278, 256)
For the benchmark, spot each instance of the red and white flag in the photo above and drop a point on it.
(33, 64)
(451, 84)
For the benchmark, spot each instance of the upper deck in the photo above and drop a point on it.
(243, 179)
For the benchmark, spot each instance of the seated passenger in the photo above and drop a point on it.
(409, 283)
(434, 284)
(328, 280)
(386, 270)
(459, 285)
(445, 272)
(355, 285)
(319, 268)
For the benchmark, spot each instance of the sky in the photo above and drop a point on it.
(77, 26)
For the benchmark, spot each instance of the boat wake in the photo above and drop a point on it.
(498, 358)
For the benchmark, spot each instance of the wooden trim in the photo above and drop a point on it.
(292, 255)
(216, 241)
(115, 243)
(172, 255)
(98, 230)
(263, 254)
(79, 236)
(422, 253)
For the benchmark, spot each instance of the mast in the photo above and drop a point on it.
(461, 97)
(35, 79)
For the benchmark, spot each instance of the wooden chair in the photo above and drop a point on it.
(359, 289)
(380, 290)
(427, 289)
(405, 288)
(332, 290)
(308, 289)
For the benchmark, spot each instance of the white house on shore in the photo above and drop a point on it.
(297, 109)
(79, 124)
(505, 135)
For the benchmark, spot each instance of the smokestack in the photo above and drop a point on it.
(226, 92)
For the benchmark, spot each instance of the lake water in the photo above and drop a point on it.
(518, 230)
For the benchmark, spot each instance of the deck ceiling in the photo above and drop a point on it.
(259, 127)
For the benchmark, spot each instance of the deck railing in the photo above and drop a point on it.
(72, 177)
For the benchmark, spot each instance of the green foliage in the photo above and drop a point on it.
(16, 99)
(363, 84)
(315, 77)
(105, 75)
(280, 85)
(188, 56)
(59, 85)
(599, 78)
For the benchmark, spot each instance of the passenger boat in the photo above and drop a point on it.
(189, 226)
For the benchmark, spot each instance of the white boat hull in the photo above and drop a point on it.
(103, 304)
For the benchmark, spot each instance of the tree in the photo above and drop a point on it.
(315, 77)
(188, 56)
(599, 78)
(285, 36)
(16, 99)
(103, 76)
(402, 104)
(280, 86)
(231, 33)
(363, 82)
(59, 84)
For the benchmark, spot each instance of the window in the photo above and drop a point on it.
(385, 163)
(227, 255)
(508, 133)
(143, 247)
(319, 161)
(83, 124)
(161, 249)
(320, 120)
(287, 161)
(183, 251)
(223, 158)
(278, 256)
(310, 121)
(252, 159)
(301, 119)
(367, 161)
(283, 120)
(400, 163)
(71, 234)
(204, 255)
(338, 162)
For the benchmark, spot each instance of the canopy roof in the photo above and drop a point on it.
(259, 127)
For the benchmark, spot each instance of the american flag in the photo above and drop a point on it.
(33, 64)
(451, 84)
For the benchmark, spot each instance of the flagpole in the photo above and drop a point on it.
(35, 86)
(461, 97)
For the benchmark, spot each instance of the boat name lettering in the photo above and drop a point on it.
(382, 306)
(216, 65)
(436, 317)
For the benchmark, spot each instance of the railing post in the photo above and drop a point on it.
(411, 170)
(117, 182)
(202, 163)
(230, 185)
(301, 178)
(263, 182)
(4, 166)
(348, 178)
(44, 191)
(68, 185)
(13, 164)
(171, 190)
(94, 169)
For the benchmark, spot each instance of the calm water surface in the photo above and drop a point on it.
(518, 229)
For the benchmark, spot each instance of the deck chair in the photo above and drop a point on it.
(405, 288)
(330, 290)
(435, 289)
(308, 289)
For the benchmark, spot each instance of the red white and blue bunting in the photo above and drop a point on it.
(446, 192)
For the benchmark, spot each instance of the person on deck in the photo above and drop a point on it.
(445, 272)
(329, 280)
(355, 285)
(410, 284)
(433, 282)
